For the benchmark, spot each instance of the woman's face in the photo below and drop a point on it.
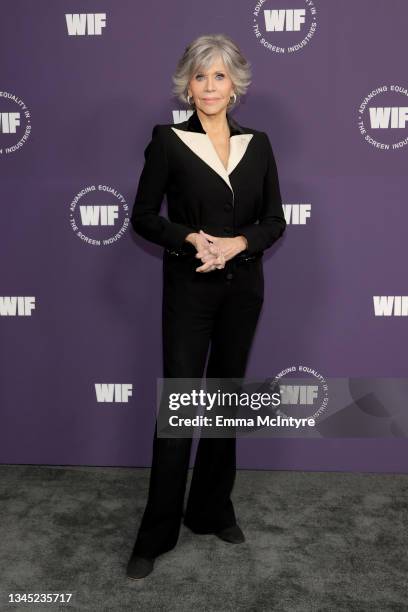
(212, 88)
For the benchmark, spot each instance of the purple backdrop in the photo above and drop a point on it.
(93, 99)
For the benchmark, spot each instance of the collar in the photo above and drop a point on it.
(192, 133)
(194, 124)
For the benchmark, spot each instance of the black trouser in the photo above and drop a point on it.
(221, 307)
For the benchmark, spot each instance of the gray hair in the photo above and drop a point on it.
(200, 54)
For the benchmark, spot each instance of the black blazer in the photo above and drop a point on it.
(181, 161)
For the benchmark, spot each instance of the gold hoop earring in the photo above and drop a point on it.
(188, 101)
(235, 99)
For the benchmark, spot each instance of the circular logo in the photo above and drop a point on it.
(15, 123)
(383, 117)
(283, 26)
(99, 215)
(304, 390)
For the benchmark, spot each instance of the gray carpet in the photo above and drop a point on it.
(315, 541)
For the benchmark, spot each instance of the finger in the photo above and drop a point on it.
(203, 269)
(208, 260)
(202, 252)
(220, 258)
(204, 235)
(207, 257)
(208, 236)
(206, 267)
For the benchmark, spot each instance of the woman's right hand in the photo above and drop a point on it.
(212, 258)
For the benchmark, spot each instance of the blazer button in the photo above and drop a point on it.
(230, 276)
(228, 229)
(228, 207)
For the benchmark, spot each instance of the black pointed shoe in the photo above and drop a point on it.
(233, 534)
(139, 567)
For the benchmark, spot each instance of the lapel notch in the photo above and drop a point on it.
(192, 133)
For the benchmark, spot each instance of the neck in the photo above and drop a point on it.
(214, 124)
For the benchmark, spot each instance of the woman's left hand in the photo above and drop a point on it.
(220, 251)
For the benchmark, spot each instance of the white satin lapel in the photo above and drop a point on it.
(202, 146)
(238, 146)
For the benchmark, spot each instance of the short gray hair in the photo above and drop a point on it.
(200, 54)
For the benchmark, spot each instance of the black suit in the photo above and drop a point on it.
(218, 308)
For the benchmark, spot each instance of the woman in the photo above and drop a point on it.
(224, 210)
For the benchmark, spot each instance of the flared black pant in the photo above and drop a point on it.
(220, 310)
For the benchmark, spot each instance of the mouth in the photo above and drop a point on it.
(209, 100)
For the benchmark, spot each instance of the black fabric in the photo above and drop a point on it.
(219, 311)
(199, 198)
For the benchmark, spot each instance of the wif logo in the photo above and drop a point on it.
(15, 123)
(390, 305)
(284, 29)
(284, 20)
(383, 117)
(9, 122)
(85, 24)
(299, 394)
(99, 215)
(113, 392)
(296, 214)
(181, 115)
(16, 306)
(311, 393)
(101, 223)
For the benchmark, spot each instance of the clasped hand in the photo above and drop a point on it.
(215, 251)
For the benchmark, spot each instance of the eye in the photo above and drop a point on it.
(219, 76)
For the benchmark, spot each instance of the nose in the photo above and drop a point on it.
(210, 83)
